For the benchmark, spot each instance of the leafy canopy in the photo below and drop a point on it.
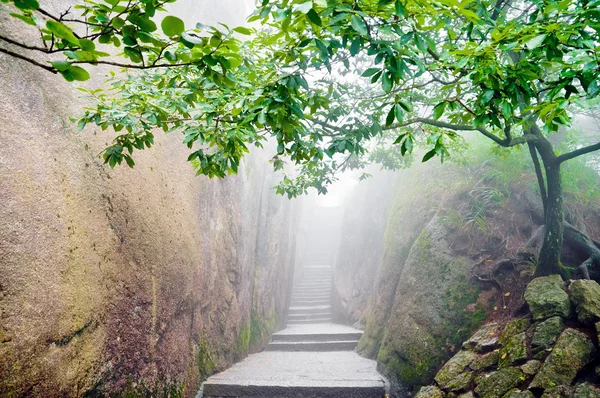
(337, 84)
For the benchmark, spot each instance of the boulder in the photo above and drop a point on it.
(546, 297)
(547, 332)
(461, 382)
(530, 368)
(519, 394)
(585, 296)
(468, 394)
(455, 366)
(486, 361)
(498, 383)
(483, 340)
(513, 328)
(572, 351)
(429, 392)
(515, 351)
(586, 390)
(558, 392)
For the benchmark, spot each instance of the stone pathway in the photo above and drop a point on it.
(312, 357)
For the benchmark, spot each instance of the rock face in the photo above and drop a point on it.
(586, 298)
(125, 280)
(561, 370)
(572, 352)
(546, 297)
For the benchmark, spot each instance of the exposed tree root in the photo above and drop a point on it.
(575, 240)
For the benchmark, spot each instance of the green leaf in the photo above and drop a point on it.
(172, 26)
(387, 83)
(61, 66)
(314, 17)
(355, 46)
(27, 4)
(243, 31)
(400, 10)
(79, 73)
(62, 31)
(429, 155)
(438, 110)
(370, 72)
(390, 117)
(536, 42)
(487, 96)
(87, 45)
(358, 24)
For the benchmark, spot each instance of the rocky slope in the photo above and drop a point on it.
(125, 280)
(552, 351)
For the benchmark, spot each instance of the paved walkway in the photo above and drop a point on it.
(312, 357)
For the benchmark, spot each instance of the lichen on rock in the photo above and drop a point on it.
(585, 296)
(484, 339)
(498, 383)
(546, 297)
(455, 366)
(429, 392)
(572, 351)
(515, 351)
(486, 361)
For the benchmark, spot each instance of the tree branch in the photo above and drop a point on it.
(578, 152)
(31, 61)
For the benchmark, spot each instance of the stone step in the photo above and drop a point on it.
(323, 319)
(298, 374)
(320, 295)
(350, 336)
(311, 292)
(310, 302)
(309, 316)
(313, 286)
(312, 346)
(303, 309)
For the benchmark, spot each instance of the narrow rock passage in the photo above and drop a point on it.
(312, 357)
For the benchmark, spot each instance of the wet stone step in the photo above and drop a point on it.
(312, 346)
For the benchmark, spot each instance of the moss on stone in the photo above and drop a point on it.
(205, 360)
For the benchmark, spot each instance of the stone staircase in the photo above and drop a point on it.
(311, 357)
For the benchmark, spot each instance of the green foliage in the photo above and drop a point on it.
(336, 84)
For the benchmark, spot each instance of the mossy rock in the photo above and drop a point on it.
(513, 328)
(585, 296)
(519, 394)
(546, 333)
(586, 390)
(530, 368)
(546, 297)
(572, 351)
(499, 383)
(486, 361)
(484, 339)
(461, 382)
(558, 392)
(455, 366)
(429, 392)
(468, 394)
(514, 352)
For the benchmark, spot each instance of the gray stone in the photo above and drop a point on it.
(498, 383)
(586, 390)
(483, 340)
(547, 332)
(514, 352)
(429, 392)
(514, 327)
(455, 366)
(461, 382)
(519, 394)
(486, 361)
(572, 351)
(546, 297)
(585, 296)
(530, 368)
(468, 394)
(558, 392)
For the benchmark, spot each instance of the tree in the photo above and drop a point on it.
(335, 83)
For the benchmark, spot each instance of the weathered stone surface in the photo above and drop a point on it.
(558, 392)
(483, 340)
(530, 368)
(546, 297)
(455, 366)
(486, 361)
(519, 394)
(586, 390)
(461, 382)
(585, 296)
(429, 392)
(499, 383)
(547, 332)
(468, 394)
(572, 351)
(515, 351)
(514, 327)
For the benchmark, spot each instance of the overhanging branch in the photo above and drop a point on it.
(578, 152)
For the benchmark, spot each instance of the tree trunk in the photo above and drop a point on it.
(549, 258)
